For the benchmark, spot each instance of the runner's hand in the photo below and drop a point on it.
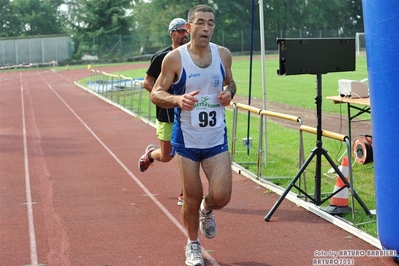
(224, 97)
(188, 100)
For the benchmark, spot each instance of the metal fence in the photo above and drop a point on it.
(130, 47)
(34, 50)
(124, 91)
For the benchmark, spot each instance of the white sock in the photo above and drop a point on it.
(192, 241)
(202, 208)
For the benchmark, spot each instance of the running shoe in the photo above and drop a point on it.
(180, 199)
(194, 254)
(144, 161)
(207, 224)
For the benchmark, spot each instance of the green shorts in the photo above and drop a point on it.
(164, 130)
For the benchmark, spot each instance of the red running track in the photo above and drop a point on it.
(71, 193)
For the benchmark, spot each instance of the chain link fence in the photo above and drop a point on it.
(125, 48)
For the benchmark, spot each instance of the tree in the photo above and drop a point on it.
(8, 21)
(311, 16)
(233, 16)
(35, 17)
(354, 17)
(98, 20)
(151, 20)
(233, 20)
(97, 24)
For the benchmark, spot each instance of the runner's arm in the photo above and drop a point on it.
(169, 73)
(230, 88)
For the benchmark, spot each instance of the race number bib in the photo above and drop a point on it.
(207, 112)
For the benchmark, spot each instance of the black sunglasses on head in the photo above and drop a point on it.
(180, 30)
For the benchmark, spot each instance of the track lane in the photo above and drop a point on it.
(14, 201)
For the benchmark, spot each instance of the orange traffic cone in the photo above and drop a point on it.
(339, 203)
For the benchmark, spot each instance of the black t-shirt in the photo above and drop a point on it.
(163, 115)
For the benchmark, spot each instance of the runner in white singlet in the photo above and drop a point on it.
(203, 85)
(204, 126)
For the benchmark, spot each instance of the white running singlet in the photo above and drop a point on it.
(205, 126)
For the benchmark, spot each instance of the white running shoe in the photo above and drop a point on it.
(194, 254)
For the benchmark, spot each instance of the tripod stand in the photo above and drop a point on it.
(317, 152)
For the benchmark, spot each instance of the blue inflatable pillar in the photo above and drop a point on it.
(381, 24)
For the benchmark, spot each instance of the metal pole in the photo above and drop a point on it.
(263, 49)
(250, 75)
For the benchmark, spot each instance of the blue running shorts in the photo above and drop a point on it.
(198, 155)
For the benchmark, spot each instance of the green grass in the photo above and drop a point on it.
(296, 90)
(283, 143)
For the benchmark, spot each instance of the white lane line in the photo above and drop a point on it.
(141, 185)
(32, 236)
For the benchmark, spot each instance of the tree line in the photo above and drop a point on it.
(91, 23)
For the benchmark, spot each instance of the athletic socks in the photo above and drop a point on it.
(202, 208)
(192, 241)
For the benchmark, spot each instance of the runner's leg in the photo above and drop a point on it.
(218, 171)
(193, 193)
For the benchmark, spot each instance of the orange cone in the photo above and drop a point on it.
(339, 203)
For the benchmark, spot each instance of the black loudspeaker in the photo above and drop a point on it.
(316, 55)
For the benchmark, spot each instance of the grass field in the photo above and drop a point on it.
(282, 149)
